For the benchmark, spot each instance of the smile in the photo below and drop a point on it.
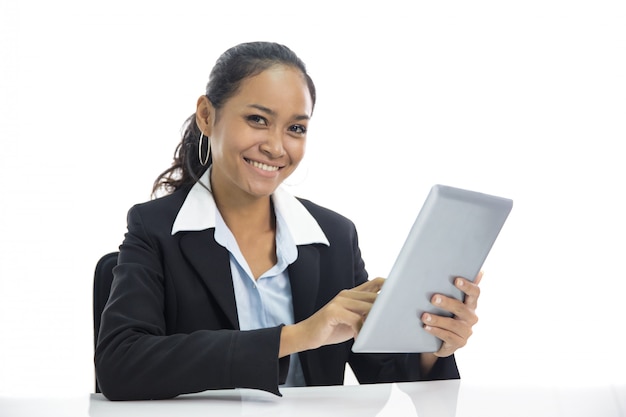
(262, 166)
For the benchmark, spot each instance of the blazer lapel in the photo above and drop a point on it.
(211, 262)
(304, 276)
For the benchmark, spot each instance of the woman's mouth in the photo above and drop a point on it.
(262, 166)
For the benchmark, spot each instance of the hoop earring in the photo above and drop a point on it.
(203, 161)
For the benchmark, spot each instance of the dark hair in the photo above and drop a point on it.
(232, 67)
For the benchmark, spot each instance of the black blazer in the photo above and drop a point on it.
(170, 325)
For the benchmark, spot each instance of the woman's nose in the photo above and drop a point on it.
(273, 145)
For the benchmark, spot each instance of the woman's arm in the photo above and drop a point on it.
(142, 354)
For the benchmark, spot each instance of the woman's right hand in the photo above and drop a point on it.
(339, 320)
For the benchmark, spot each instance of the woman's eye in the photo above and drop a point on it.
(256, 119)
(299, 129)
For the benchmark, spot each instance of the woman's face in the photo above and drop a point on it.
(258, 137)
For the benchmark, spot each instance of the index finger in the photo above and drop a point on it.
(371, 286)
(478, 277)
(471, 289)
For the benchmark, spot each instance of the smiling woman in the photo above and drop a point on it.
(228, 281)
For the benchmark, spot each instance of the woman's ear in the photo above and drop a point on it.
(205, 114)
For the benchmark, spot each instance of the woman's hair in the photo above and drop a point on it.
(232, 67)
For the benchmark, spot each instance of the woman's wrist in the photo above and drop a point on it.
(427, 361)
(291, 341)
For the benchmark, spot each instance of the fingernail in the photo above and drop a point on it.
(459, 282)
(427, 317)
(437, 300)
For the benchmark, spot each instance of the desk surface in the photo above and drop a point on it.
(423, 399)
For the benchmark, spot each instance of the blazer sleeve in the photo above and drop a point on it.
(135, 356)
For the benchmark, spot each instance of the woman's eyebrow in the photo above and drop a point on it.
(263, 109)
(273, 113)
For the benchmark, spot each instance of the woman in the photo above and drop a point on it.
(229, 281)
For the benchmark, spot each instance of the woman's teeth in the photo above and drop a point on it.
(264, 167)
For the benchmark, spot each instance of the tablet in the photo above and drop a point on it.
(451, 237)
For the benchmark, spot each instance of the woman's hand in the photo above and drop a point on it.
(339, 320)
(454, 331)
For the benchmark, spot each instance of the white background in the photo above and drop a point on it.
(523, 99)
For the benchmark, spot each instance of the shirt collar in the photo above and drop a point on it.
(199, 210)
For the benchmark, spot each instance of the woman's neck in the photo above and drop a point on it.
(244, 214)
(252, 222)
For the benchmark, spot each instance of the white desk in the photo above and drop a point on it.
(423, 399)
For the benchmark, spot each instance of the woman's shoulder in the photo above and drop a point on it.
(328, 219)
(161, 208)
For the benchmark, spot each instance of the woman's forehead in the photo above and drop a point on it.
(277, 88)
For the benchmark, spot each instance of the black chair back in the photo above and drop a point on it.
(103, 277)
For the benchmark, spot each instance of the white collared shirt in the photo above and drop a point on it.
(267, 301)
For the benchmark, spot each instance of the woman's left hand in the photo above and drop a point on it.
(454, 331)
